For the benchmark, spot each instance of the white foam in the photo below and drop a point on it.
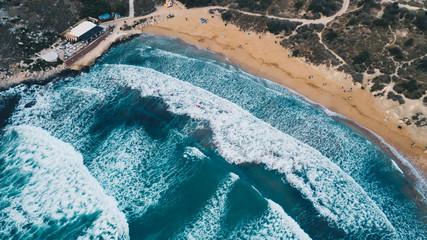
(57, 187)
(208, 221)
(192, 152)
(421, 182)
(243, 138)
(128, 164)
(274, 223)
(135, 170)
(54, 111)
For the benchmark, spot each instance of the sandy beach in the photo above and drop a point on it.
(260, 55)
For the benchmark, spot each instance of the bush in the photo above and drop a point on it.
(295, 53)
(377, 87)
(121, 7)
(226, 16)
(396, 52)
(196, 3)
(382, 79)
(326, 7)
(253, 5)
(421, 21)
(94, 8)
(410, 89)
(391, 12)
(422, 65)
(277, 26)
(395, 97)
(409, 42)
(363, 57)
(28, 61)
(331, 35)
(380, 23)
(298, 5)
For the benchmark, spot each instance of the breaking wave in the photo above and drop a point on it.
(47, 192)
(242, 138)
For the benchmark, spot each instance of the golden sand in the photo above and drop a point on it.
(260, 55)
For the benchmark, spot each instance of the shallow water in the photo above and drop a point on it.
(163, 140)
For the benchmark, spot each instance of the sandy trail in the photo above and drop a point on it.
(131, 9)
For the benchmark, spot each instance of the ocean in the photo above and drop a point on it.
(162, 140)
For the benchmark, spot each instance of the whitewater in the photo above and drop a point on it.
(163, 140)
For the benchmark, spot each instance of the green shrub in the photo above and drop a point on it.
(382, 79)
(28, 61)
(395, 97)
(411, 89)
(298, 5)
(391, 12)
(409, 42)
(363, 57)
(277, 26)
(226, 16)
(331, 35)
(326, 7)
(94, 8)
(255, 5)
(121, 7)
(377, 87)
(396, 52)
(380, 23)
(422, 65)
(421, 21)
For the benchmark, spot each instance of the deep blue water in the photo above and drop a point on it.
(161, 140)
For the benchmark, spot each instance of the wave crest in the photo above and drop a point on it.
(47, 192)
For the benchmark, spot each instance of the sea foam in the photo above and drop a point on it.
(208, 221)
(242, 138)
(274, 223)
(47, 192)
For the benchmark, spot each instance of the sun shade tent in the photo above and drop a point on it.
(85, 30)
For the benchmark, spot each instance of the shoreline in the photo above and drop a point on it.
(265, 58)
(260, 57)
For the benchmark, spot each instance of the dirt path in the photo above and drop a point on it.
(405, 5)
(322, 20)
(131, 9)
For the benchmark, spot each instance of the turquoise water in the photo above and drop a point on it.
(161, 140)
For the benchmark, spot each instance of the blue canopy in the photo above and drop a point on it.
(105, 16)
